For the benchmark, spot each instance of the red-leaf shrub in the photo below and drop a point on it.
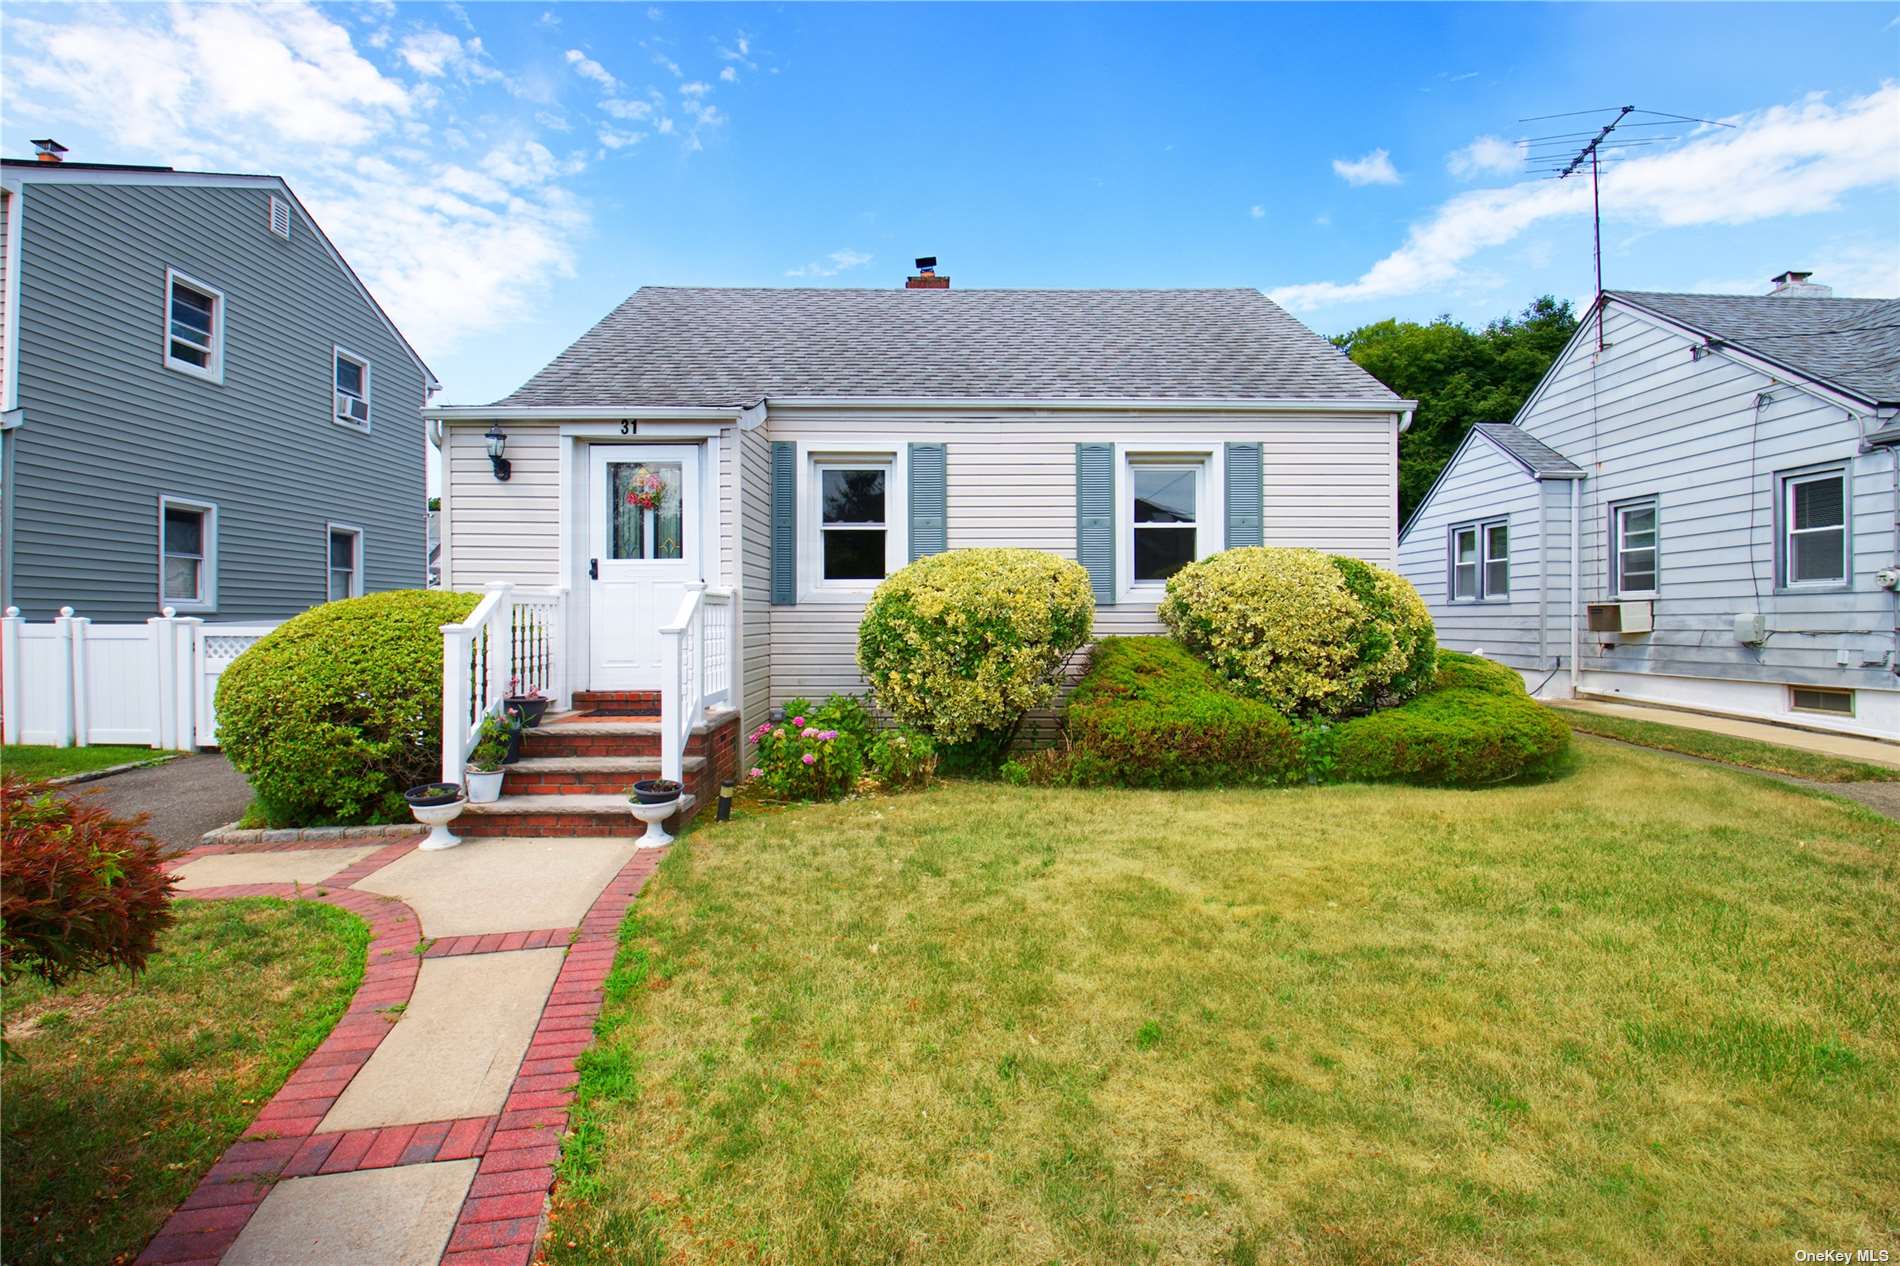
(79, 888)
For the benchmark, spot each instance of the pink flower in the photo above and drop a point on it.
(798, 720)
(827, 735)
(810, 759)
(756, 772)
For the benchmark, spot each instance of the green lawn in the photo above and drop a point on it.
(128, 1088)
(31, 761)
(1748, 753)
(1646, 1013)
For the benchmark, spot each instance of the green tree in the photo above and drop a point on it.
(1458, 376)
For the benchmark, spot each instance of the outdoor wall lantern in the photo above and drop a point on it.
(497, 442)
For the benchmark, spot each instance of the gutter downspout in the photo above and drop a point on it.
(1576, 576)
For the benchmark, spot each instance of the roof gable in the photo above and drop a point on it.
(710, 347)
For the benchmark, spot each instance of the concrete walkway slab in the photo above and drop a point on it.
(1846, 746)
(501, 884)
(391, 1217)
(294, 866)
(459, 1042)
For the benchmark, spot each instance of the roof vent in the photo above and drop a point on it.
(1795, 285)
(926, 278)
(50, 150)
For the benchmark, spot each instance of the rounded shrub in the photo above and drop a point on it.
(1313, 634)
(1148, 714)
(337, 711)
(1457, 669)
(1462, 736)
(961, 645)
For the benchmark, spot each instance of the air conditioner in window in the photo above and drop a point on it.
(1620, 617)
(352, 409)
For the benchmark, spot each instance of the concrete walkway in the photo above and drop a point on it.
(1873, 751)
(424, 1130)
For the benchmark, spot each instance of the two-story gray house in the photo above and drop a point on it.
(1725, 469)
(201, 405)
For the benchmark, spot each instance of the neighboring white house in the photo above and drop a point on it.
(1725, 467)
(801, 444)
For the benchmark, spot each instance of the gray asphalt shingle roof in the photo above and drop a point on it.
(729, 347)
(1849, 344)
(1539, 458)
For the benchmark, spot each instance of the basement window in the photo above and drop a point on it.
(1823, 699)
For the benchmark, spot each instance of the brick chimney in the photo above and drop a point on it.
(50, 150)
(1795, 285)
(926, 278)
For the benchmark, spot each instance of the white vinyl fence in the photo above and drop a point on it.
(73, 683)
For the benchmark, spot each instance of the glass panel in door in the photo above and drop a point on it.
(644, 511)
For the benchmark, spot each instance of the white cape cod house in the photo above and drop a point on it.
(702, 492)
(1725, 469)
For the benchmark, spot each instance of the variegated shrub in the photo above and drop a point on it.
(1313, 634)
(961, 645)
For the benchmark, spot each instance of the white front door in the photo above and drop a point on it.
(643, 550)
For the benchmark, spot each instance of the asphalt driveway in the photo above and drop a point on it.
(185, 797)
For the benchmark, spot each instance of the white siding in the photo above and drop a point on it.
(503, 531)
(755, 575)
(1480, 485)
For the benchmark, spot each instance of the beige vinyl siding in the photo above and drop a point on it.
(503, 531)
(754, 456)
(1648, 419)
(1328, 483)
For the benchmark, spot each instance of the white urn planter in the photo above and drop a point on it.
(654, 811)
(436, 812)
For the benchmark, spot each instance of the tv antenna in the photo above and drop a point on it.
(1599, 148)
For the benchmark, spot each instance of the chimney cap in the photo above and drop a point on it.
(49, 149)
(926, 263)
(1792, 276)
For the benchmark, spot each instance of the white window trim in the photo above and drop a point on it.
(1617, 510)
(1481, 529)
(819, 457)
(214, 372)
(1210, 516)
(339, 352)
(356, 575)
(208, 569)
(1785, 483)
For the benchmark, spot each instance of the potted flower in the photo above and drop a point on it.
(485, 763)
(435, 805)
(526, 706)
(653, 801)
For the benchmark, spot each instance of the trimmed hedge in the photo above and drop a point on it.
(1148, 714)
(338, 711)
(1315, 635)
(961, 645)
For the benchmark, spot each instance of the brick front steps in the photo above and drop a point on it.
(618, 703)
(575, 769)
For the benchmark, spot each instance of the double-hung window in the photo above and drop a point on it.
(188, 555)
(194, 328)
(346, 563)
(1634, 552)
(1813, 516)
(1164, 518)
(853, 522)
(352, 390)
(1481, 561)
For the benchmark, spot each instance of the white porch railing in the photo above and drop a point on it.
(510, 643)
(696, 655)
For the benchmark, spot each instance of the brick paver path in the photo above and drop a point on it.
(514, 1148)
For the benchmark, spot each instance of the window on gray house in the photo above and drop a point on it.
(1634, 555)
(1480, 561)
(1814, 528)
(346, 564)
(185, 563)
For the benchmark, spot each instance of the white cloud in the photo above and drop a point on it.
(614, 138)
(587, 68)
(672, 67)
(448, 248)
(1373, 169)
(831, 265)
(548, 18)
(1486, 156)
(1787, 160)
(729, 75)
(696, 88)
(1257, 211)
(626, 109)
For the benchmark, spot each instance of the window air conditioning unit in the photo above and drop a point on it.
(352, 409)
(1620, 617)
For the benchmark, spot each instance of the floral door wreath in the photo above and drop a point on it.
(646, 489)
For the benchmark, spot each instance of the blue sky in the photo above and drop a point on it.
(503, 174)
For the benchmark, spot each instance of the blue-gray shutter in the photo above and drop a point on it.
(1095, 517)
(1243, 496)
(928, 533)
(784, 523)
